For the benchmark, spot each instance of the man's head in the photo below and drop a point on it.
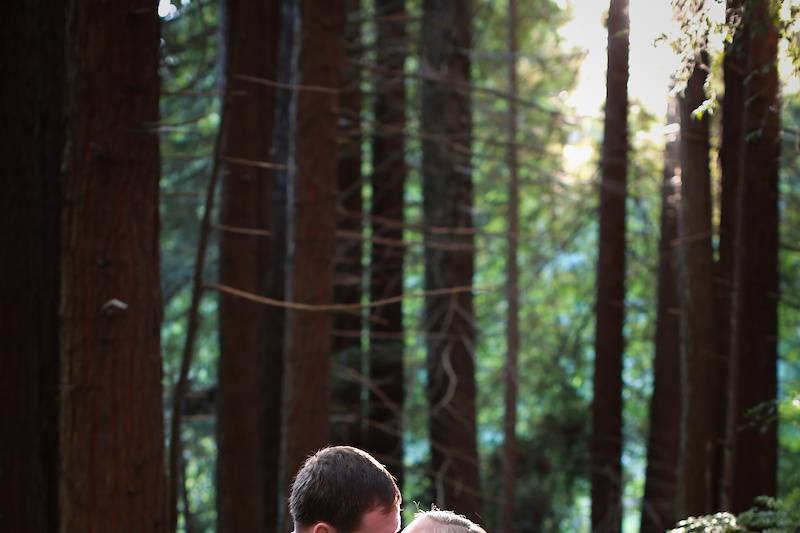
(344, 490)
(436, 521)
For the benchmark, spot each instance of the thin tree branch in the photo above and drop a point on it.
(297, 306)
(242, 231)
(288, 86)
(252, 163)
(191, 328)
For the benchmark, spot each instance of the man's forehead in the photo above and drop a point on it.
(381, 520)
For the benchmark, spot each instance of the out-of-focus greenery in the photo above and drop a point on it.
(769, 515)
(189, 120)
(789, 306)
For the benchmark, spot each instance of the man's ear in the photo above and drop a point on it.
(322, 527)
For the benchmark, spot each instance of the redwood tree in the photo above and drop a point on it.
(32, 59)
(606, 442)
(275, 511)
(111, 418)
(658, 505)
(731, 124)
(250, 34)
(449, 253)
(311, 224)
(753, 439)
(698, 393)
(384, 430)
(346, 419)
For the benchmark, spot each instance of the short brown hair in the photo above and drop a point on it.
(339, 485)
(449, 522)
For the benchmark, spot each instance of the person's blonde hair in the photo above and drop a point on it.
(449, 522)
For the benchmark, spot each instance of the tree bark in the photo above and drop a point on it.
(274, 493)
(311, 224)
(698, 393)
(753, 438)
(386, 397)
(111, 413)
(658, 505)
(346, 418)
(249, 30)
(449, 258)
(32, 58)
(606, 441)
(508, 492)
(732, 107)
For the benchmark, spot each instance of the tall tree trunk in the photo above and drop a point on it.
(606, 442)
(346, 418)
(385, 430)
(658, 505)
(274, 492)
(753, 429)
(32, 55)
(249, 32)
(111, 414)
(449, 254)
(508, 492)
(697, 320)
(732, 106)
(311, 224)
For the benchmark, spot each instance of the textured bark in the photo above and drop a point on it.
(753, 423)
(250, 35)
(311, 224)
(385, 430)
(31, 55)
(449, 257)
(606, 441)
(698, 392)
(346, 418)
(274, 493)
(658, 505)
(508, 492)
(732, 106)
(111, 414)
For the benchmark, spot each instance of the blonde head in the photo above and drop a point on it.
(437, 521)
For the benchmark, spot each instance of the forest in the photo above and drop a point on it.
(541, 258)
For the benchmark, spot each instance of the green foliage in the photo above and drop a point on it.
(551, 471)
(556, 267)
(789, 24)
(789, 304)
(772, 515)
(710, 26)
(189, 120)
(769, 515)
(717, 523)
